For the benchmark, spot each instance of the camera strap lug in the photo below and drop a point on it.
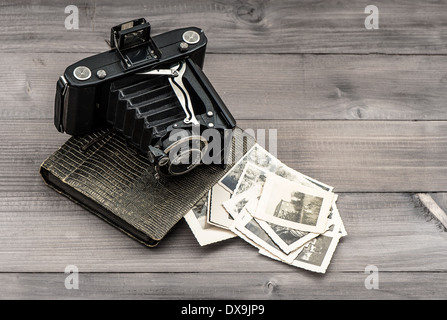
(175, 75)
(64, 81)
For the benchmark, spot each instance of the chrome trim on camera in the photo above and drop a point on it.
(173, 159)
(175, 80)
(65, 82)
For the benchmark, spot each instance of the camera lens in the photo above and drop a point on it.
(184, 155)
(185, 162)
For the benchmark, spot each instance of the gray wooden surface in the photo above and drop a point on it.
(362, 110)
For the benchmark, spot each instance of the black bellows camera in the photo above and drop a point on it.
(153, 91)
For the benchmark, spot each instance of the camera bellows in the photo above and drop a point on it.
(143, 108)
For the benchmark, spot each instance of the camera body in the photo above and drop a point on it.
(152, 90)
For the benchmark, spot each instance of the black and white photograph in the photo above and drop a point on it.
(217, 215)
(257, 156)
(238, 201)
(249, 227)
(287, 239)
(230, 180)
(293, 205)
(317, 254)
(288, 173)
(252, 177)
(204, 232)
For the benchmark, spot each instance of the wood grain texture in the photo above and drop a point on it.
(43, 232)
(352, 156)
(243, 26)
(382, 155)
(353, 87)
(225, 286)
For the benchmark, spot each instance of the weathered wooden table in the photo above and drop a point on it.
(362, 110)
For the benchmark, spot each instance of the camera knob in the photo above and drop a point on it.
(183, 46)
(191, 37)
(82, 73)
(101, 74)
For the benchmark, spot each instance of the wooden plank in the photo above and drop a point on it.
(224, 286)
(286, 26)
(384, 156)
(373, 87)
(353, 156)
(41, 231)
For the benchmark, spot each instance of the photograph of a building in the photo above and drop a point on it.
(302, 208)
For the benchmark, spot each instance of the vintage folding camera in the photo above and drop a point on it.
(152, 90)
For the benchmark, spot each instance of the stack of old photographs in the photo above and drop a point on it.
(286, 215)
